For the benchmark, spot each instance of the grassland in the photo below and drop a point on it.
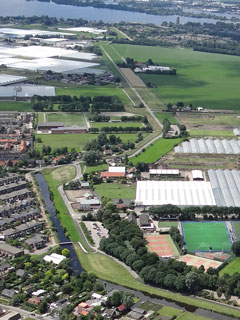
(76, 141)
(54, 178)
(69, 119)
(15, 106)
(232, 267)
(155, 151)
(166, 115)
(115, 190)
(107, 269)
(92, 91)
(191, 316)
(202, 119)
(100, 167)
(203, 79)
(169, 311)
(167, 224)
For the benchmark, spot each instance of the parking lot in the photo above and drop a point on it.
(97, 231)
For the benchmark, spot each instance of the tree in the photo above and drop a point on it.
(116, 299)
(65, 252)
(43, 306)
(127, 299)
(92, 157)
(193, 281)
(236, 248)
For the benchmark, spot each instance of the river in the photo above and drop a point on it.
(43, 186)
(31, 8)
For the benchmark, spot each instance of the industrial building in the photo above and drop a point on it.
(216, 146)
(179, 193)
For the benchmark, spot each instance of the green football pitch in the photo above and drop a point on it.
(200, 236)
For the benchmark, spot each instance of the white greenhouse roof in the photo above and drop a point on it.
(6, 79)
(164, 171)
(55, 258)
(226, 187)
(236, 131)
(209, 146)
(26, 91)
(85, 29)
(180, 193)
(20, 33)
(116, 169)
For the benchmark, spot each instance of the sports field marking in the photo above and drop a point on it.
(206, 236)
(163, 245)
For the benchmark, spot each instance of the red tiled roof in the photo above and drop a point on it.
(107, 174)
(121, 307)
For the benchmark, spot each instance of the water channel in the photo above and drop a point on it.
(43, 186)
(31, 8)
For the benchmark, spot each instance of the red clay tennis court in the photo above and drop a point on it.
(162, 245)
(199, 261)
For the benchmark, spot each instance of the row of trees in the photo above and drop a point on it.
(192, 213)
(129, 129)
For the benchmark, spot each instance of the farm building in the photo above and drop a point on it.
(180, 193)
(209, 146)
(236, 132)
(164, 172)
(197, 175)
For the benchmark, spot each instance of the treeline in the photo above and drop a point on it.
(192, 213)
(144, 42)
(77, 104)
(218, 48)
(129, 129)
(126, 243)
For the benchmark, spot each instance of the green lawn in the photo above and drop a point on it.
(147, 305)
(92, 91)
(213, 133)
(166, 224)
(236, 225)
(76, 141)
(200, 236)
(54, 178)
(191, 316)
(100, 167)
(169, 311)
(115, 190)
(232, 267)
(166, 115)
(108, 269)
(116, 124)
(203, 79)
(206, 119)
(15, 106)
(68, 119)
(155, 151)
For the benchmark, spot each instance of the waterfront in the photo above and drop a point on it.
(31, 8)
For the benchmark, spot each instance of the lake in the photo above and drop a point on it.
(31, 8)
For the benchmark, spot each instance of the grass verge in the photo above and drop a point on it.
(86, 233)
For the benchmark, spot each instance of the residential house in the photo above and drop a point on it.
(37, 242)
(35, 300)
(145, 223)
(10, 251)
(10, 315)
(8, 293)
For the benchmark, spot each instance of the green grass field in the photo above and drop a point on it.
(69, 119)
(15, 106)
(203, 79)
(76, 141)
(232, 267)
(166, 115)
(206, 119)
(100, 167)
(109, 270)
(166, 224)
(115, 190)
(191, 316)
(200, 236)
(92, 91)
(169, 311)
(155, 151)
(236, 225)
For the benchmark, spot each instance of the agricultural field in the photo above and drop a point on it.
(203, 79)
(115, 190)
(68, 119)
(76, 141)
(232, 267)
(155, 151)
(206, 161)
(200, 236)
(15, 106)
(212, 133)
(92, 91)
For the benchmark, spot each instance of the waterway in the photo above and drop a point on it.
(43, 186)
(31, 8)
